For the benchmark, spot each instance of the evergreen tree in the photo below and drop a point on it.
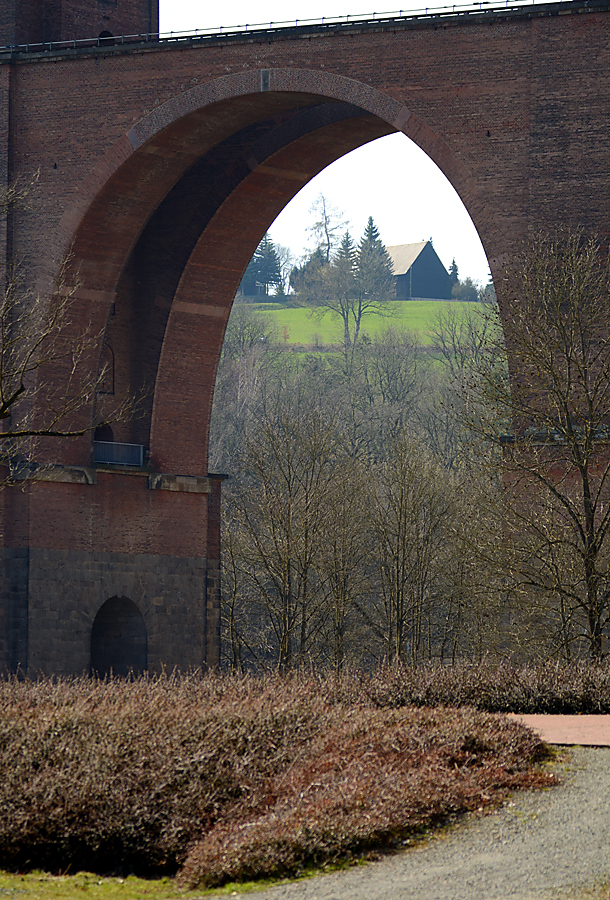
(267, 264)
(374, 271)
(344, 264)
(264, 269)
(453, 273)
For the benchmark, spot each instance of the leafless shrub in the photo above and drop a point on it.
(143, 775)
(549, 687)
(368, 780)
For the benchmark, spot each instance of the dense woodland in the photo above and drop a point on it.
(349, 519)
(367, 520)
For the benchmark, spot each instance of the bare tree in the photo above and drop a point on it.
(249, 356)
(286, 261)
(333, 287)
(354, 284)
(50, 383)
(329, 223)
(547, 427)
(345, 563)
(280, 507)
(460, 338)
(50, 378)
(411, 516)
(470, 615)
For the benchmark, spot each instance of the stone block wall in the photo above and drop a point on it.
(50, 598)
(66, 590)
(83, 536)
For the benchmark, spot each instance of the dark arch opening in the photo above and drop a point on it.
(104, 433)
(119, 643)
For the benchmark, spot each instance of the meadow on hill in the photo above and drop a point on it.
(304, 326)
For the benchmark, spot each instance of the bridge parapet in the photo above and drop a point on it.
(474, 13)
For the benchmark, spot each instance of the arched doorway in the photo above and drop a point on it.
(119, 644)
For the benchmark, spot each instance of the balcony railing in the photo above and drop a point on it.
(109, 453)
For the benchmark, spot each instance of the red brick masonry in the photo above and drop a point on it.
(160, 167)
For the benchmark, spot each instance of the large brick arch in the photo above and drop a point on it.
(245, 145)
(161, 165)
(181, 119)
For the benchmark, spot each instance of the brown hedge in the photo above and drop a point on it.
(234, 777)
(543, 687)
(369, 780)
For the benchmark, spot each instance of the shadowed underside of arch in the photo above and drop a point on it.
(161, 248)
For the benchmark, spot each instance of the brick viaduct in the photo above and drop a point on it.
(161, 165)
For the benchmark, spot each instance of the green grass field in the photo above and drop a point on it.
(43, 886)
(303, 326)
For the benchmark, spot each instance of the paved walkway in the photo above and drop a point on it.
(584, 731)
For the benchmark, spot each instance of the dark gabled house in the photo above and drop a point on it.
(419, 273)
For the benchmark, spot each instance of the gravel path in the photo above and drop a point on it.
(542, 845)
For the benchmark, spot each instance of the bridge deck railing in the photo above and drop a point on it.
(331, 23)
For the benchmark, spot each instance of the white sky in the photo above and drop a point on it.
(390, 179)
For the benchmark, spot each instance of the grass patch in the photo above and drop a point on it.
(298, 325)
(227, 779)
(44, 886)
(35, 885)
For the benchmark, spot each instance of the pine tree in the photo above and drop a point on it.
(374, 274)
(453, 273)
(345, 266)
(342, 283)
(264, 269)
(267, 263)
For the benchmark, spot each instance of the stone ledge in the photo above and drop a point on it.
(59, 473)
(187, 484)
(157, 481)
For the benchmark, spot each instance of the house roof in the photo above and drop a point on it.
(404, 255)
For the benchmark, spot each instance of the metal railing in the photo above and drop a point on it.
(109, 453)
(476, 6)
(330, 23)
